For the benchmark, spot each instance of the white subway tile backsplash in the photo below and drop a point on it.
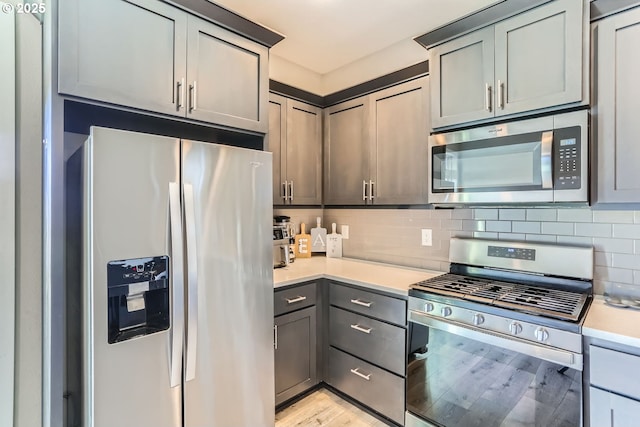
(575, 240)
(602, 259)
(622, 246)
(541, 238)
(512, 214)
(636, 247)
(485, 235)
(491, 214)
(542, 214)
(451, 224)
(525, 227)
(462, 214)
(613, 217)
(558, 228)
(613, 274)
(593, 230)
(472, 225)
(626, 231)
(575, 215)
(636, 217)
(626, 261)
(636, 277)
(511, 236)
(499, 226)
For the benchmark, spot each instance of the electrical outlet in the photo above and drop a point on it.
(344, 230)
(427, 237)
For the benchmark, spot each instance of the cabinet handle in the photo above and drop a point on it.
(179, 93)
(192, 96)
(362, 303)
(296, 299)
(371, 184)
(360, 374)
(361, 329)
(291, 192)
(500, 99)
(275, 337)
(364, 190)
(487, 100)
(285, 187)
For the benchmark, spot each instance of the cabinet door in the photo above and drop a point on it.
(538, 58)
(303, 153)
(346, 152)
(617, 108)
(130, 53)
(275, 142)
(295, 353)
(462, 79)
(400, 137)
(611, 410)
(227, 78)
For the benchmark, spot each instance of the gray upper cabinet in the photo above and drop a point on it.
(346, 155)
(400, 137)
(135, 54)
(538, 57)
(376, 147)
(227, 77)
(533, 61)
(123, 52)
(462, 74)
(616, 126)
(295, 132)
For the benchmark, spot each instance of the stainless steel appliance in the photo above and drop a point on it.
(281, 241)
(505, 346)
(171, 321)
(528, 161)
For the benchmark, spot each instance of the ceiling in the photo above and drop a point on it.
(325, 35)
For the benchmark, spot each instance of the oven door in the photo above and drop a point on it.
(469, 377)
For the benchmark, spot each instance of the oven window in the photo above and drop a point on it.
(501, 164)
(460, 382)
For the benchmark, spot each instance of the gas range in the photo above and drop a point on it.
(529, 291)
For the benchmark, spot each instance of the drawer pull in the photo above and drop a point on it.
(361, 329)
(362, 303)
(360, 374)
(295, 299)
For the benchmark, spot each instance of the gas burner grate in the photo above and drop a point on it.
(564, 305)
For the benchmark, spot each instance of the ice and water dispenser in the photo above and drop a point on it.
(138, 297)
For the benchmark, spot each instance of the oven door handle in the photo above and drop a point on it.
(561, 357)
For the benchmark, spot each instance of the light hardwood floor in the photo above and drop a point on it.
(323, 408)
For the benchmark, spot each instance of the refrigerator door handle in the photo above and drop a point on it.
(177, 296)
(192, 282)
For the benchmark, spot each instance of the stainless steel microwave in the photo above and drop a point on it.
(530, 161)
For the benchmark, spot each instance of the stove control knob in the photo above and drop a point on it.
(478, 319)
(428, 307)
(542, 334)
(446, 311)
(515, 328)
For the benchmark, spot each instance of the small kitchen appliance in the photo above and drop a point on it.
(281, 241)
(504, 333)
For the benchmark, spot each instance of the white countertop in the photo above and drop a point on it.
(383, 277)
(619, 325)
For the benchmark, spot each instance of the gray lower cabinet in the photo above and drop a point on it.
(534, 60)
(148, 55)
(295, 139)
(616, 126)
(614, 391)
(375, 147)
(367, 348)
(295, 340)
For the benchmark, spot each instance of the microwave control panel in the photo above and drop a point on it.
(567, 158)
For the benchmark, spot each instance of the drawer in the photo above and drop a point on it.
(380, 390)
(614, 371)
(386, 308)
(294, 298)
(374, 341)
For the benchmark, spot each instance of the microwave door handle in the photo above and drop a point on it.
(545, 160)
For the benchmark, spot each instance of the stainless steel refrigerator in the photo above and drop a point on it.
(175, 298)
